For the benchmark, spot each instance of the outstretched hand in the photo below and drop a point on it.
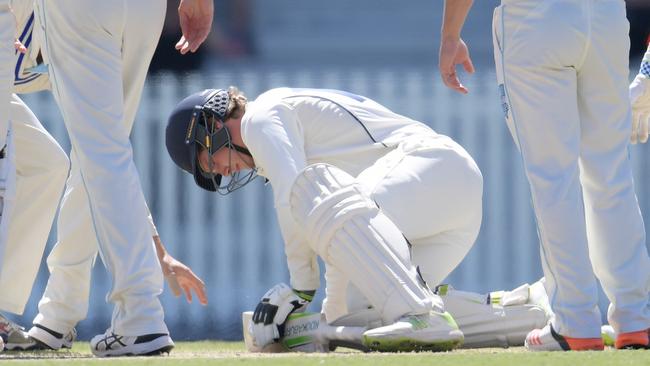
(195, 17)
(181, 278)
(454, 52)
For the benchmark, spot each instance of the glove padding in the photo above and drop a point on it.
(272, 312)
(640, 98)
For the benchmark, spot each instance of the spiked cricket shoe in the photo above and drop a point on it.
(111, 344)
(547, 339)
(14, 336)
(432, 331)
(46, 338)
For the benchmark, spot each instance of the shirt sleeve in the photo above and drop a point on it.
(274, 138)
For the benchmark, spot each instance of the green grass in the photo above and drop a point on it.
(234, 353)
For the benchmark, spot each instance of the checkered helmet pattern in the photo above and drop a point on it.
(218, 103)
(645, 68)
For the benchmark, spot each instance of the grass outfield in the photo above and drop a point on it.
(231, 353)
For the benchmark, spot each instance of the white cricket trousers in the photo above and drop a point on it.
(7, 58)
(41, 167)
(98, 54)
(7, 63)
(431, 189)
(562, 68)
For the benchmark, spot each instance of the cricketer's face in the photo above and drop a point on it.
(224, 162)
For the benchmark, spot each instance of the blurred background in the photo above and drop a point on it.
(383, 49)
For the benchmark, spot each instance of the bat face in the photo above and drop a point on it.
(300, 334)
(306, 332)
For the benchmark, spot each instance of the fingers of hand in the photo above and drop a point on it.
(264, 326)
(195, 284)
(188, 293)
(450, 77)
(20, 47)
(172, 281)
(451, 80)
(200, 292)
(272, 311)
(181, 42)
(635, 128)
(643, 125)
(191, 283)
(468, 66)
(264, 335)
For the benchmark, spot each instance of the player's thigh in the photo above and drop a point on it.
(431, 190)
(141, 35)
(438, 255)
(82, 45)
(603, 97)
(36, 150)
(537, 46)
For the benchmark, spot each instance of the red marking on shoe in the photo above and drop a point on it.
(578, 344)
(639, 339)
(585, 344)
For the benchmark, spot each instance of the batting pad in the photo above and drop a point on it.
(347, 229)
(486, 324)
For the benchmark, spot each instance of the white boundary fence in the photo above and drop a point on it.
(233, 242)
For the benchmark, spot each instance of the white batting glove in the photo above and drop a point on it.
(640, 98)
(272, 312)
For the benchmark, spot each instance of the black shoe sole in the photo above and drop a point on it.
(158, 352)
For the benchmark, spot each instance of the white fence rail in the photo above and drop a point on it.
(233, 242)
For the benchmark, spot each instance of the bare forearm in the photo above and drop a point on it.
(454, 17)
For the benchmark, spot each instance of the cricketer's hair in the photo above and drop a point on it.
(237, 104)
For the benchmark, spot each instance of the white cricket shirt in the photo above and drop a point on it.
(287, 129)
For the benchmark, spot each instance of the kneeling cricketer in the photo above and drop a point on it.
(388, 204)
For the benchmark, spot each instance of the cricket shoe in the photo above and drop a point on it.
(13, 335)
(547, 339)
(46, 338)
(633, 340)
(110, 344)
(432, 331)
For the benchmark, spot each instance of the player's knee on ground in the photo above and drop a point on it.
(347, 229)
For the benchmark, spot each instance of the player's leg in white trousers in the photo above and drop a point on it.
(7, 34)
(359, 243)
(65, 300)
(7, 63)
(562, 69)
(41, 167)
(97, 80)
(432, 190)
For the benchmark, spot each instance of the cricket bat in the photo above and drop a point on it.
(307, 332)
